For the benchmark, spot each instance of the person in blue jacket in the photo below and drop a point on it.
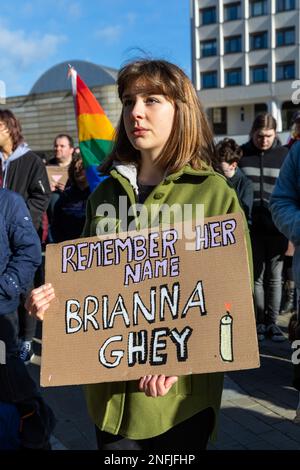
(285, 210)
(20, 253)
(20, 256)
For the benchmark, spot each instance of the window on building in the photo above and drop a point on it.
(285, 37)
(259, 73)
(233, 77)
(260, 108)
(209, 79)
(233, 44)
(208, 48)
(285, 71)
(209, 15)
(259, 40)
(285, 5)
(232, 11)
(218, 120)
(287, 110)
(259, 7)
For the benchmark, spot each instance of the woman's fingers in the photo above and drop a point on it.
(152, 386)
(161, 385)
(39, 293)
(170, 381)
(156, 385)
(39, 314)
(164, 384)
(39, 300)
(41, 306)
(143, 384)
(42, 290)
(146, 385)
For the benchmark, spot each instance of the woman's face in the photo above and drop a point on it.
(148, 119)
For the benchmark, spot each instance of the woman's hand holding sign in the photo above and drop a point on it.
(39, 300)
(156, 385)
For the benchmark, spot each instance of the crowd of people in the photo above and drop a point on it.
(163, 137)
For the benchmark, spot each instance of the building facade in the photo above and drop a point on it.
(48, 109)
(246, 59)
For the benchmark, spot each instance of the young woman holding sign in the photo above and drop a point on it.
(164, 154)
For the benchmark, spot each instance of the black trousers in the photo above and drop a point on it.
(191, 434)
(9, 332)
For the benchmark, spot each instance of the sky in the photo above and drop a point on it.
(38, 34)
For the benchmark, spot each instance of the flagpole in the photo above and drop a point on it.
(73, 74)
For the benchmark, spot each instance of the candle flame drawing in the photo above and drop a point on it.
(226, 337)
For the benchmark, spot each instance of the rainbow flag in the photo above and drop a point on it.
(95, 131)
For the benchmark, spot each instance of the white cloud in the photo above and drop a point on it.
(18, 49)
(22, 53)
(110, 34)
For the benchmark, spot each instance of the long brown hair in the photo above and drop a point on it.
(191, 140)
(14, 127)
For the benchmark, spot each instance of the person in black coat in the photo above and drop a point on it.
(229, 155)
(262, 159)
(24, 172)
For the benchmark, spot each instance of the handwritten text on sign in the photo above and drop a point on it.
(142, 303)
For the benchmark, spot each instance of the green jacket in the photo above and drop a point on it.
(118, 407)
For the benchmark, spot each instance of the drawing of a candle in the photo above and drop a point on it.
(226, 338)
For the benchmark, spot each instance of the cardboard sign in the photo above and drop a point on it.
(57, 174)
(142, 303)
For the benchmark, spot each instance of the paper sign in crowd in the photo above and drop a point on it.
(57, 174)
(141, 303)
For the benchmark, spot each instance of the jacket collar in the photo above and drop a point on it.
(17, 153)
(129, 172)
(251, 149)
